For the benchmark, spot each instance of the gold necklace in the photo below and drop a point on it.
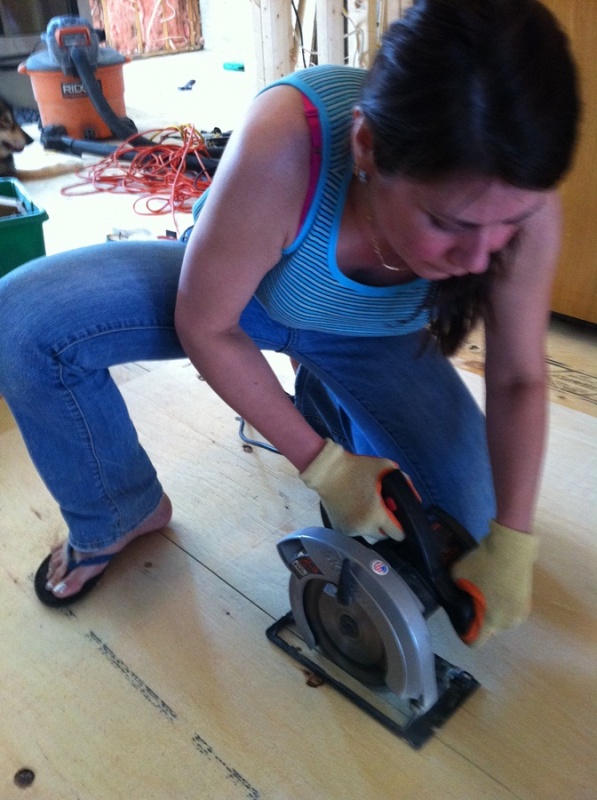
(377, 249)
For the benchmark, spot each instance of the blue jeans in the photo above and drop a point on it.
(65, 319)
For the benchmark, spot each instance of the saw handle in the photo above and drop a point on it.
(431, 547)
(461, 609)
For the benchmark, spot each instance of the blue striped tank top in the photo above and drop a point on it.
(306, 289)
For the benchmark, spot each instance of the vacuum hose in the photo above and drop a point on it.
(54, 136)
(122, 127)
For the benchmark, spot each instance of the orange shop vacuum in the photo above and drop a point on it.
(78, 85)
(79, 89)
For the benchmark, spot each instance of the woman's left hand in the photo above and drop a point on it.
(499, 574)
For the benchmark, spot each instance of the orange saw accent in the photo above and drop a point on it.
(480, 606)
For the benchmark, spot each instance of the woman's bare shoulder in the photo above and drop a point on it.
(266, 163)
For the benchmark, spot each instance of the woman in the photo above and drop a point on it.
(361, 223)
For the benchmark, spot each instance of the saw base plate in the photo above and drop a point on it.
(396, 714)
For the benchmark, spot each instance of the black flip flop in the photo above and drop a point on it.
(48, 598)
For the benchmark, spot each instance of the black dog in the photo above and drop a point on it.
(13, 139)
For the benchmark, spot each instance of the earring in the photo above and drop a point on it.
(362, 175)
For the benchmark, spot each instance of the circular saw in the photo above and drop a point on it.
(362, 610)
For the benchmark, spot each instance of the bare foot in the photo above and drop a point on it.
(63, 585)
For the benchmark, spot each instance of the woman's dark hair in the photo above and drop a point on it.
(484, 87)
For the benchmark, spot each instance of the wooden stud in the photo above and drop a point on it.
(272, 31)
(330, 31)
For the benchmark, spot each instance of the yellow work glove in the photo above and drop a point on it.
(499, 576)
(350, 489)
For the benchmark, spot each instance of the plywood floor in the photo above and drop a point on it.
(161, 685)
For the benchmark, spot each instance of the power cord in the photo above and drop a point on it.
(158, 171)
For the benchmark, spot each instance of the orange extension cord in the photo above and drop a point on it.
(158, 172)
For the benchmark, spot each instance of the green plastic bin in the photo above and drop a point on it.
(21, 234)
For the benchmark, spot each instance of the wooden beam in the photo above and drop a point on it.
(391, 10)
(272, 32)
(330, 31)
(275, 32)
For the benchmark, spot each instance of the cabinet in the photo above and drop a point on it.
(575, 289)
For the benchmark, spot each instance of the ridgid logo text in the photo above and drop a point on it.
(71, 91)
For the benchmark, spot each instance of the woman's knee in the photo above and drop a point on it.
(39, 303)
(23, 319)
(442, 447)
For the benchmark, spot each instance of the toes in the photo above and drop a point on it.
(55, 586)
(57, 566)
(63, 585)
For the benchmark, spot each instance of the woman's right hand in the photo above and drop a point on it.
(350, 489)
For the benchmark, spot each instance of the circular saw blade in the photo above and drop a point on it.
(358, 611)
(346, 633)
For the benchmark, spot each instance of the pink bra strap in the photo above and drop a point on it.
(312, 115)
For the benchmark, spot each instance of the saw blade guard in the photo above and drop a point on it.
(348, 601)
